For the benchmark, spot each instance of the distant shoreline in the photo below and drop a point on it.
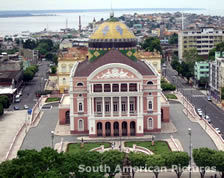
(23, 15)
(31, 13)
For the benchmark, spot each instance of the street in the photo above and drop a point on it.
(28, 95)
(197, 98)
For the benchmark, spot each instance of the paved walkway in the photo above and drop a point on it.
(10, 124)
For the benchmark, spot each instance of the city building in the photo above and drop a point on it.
(65, 63)
(153, 57)
(216, 76)
(203, 39)
(112, 92)
(201, 70)
(65, 44)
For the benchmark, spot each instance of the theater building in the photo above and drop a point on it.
(112, 92)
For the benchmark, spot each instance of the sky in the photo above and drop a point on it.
(106, 4)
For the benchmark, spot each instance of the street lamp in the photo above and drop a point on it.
(190, 148)
(52, 139)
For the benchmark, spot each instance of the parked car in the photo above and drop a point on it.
(218, 130)
(16, 107)
(209, 121)
(26, 107)
(17, 100)
(206, 117)
(209, 98)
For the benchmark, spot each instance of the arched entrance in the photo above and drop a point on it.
(132, 128)
(116, 129)
(99, 129)
(124, 129)
(162, 115)
(108, 129)
(67, 117)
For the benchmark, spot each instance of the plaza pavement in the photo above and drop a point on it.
(10, 124)
(40, 136)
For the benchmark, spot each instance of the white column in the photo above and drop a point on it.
(128, 106)
(103, 106)
(103, 87)
(128, 86)
(111, 107)
(89, 106)
(119, 106)
(138, 104)
(119, 87)
(92, 106)
(91, 88)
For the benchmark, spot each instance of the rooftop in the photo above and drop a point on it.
(85, 68)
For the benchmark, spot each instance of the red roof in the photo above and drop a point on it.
(85, 68)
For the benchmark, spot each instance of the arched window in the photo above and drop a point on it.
(150, 105)
(80, 107)
(79, 84)
(64, 81)
(81, 125)
(150, 123)
(149, 83)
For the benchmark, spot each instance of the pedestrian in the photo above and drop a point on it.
(215, 176)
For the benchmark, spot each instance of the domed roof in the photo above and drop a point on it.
(112, 30)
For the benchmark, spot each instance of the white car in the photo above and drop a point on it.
(200, 113)
(206, 117)
(218, 131)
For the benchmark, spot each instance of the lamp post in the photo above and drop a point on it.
(190, 148)
(52, 139)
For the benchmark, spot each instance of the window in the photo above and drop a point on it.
(149, 105)
(81, 124)
(70, 68)
(107, 107)
(79, 84)
(64, 81)
(115, 107)
(123, 107)
(80, 107)
(124, 87)
(107, 88)
(149, 83)
(133, 87)
(63, 68)
(97, 88)
(115, 88)
(98, 107)
(150, 123)
(132, 107)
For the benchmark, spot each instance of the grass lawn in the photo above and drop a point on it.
(158, 148)
(52, 99)
(170, 96)
(74, 147)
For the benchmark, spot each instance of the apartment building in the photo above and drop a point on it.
(203, 39)
(216, 76)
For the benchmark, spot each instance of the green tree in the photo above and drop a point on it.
(173, 39)
(222, 93)
(112, 159)
(5, 101)
(152, 44)
(137, 160)
(191, 55)
(29, 44)
(28, 75)
(53, 69)
(218, 161)
(155, 162)
(177, 161)
(1, 111)
(203, 158)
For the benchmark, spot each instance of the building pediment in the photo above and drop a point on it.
(115, 73)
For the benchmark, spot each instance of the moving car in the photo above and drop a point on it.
(209, 98)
